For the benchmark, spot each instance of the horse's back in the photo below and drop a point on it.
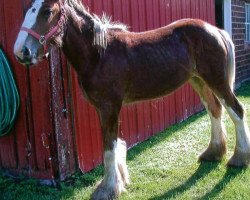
(161, 60)
(133, 38)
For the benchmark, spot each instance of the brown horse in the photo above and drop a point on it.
(116, 67)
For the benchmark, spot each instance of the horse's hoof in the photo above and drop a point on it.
(213, 153)
(239, 160)
(104, 192)
(207, 156)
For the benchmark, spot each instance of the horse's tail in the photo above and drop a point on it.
(230, 57)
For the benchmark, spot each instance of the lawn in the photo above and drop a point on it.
(164, 167)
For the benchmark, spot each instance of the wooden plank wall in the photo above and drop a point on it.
(139, 121)
(41, 143)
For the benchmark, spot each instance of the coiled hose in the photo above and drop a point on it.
(9, 97)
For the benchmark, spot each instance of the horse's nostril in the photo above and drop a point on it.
(24, 56)
(26, 52)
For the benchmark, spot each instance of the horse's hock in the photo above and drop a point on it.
(54, 115)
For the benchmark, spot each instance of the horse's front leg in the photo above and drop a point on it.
(115, 150)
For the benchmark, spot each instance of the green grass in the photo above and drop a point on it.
(164, 167)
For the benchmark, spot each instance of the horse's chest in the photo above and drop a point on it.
(93, 89)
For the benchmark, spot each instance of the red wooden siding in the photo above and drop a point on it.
(42, 138)
(142, 120)
(42, 142)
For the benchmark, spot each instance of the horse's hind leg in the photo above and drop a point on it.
(241, 155)
(235, 110)
(217, 145)
(219, 74)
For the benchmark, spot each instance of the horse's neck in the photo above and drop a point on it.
(78, 48)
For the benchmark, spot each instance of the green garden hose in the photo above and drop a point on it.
(9, 97)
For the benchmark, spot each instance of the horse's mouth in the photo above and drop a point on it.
(23, 62)
(31, 61)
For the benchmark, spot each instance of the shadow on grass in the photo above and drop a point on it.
(230, 175)
(204, 169)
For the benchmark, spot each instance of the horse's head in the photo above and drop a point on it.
(42, 26)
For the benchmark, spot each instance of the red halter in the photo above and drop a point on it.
(53, 31)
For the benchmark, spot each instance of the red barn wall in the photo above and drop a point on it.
(42, 142)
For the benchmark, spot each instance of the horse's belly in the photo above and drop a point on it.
(158, 72)
(153, 88)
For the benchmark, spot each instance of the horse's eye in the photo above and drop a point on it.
(47, 13)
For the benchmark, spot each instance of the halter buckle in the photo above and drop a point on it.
(42, 40)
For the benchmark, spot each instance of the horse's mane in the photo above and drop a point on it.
(101, 24)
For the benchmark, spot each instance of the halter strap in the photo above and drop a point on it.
(53, 31)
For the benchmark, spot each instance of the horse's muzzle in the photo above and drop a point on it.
(24, 56)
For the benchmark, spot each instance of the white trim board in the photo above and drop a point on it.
(228, 16)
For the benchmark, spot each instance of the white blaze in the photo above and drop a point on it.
(29, 22)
